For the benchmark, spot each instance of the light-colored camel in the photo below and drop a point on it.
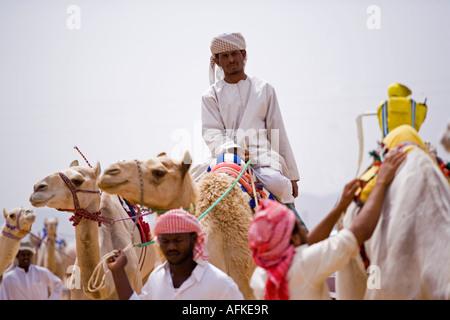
(47, 254)
(408, 250)
(18, 224)
(92, 241)
(162, 183)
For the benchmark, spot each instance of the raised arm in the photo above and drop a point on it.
(367, 218)
(323, 229)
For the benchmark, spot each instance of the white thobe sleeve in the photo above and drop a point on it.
(5, 290)
(213, 129)
(322, 259)
(278, 137)
(55, 284)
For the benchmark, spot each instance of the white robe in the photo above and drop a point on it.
(311, 267)
(247, 110)
(32, 285)
(205, 283)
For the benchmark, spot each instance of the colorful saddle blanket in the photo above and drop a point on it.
(233, 165)
(143, 227)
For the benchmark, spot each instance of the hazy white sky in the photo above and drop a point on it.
(128, 83)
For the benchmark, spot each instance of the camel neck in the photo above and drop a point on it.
(187, 198)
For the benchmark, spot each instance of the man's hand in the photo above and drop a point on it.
(118, 261)
(246, 154)
(348, 194)
(389, 166)
(117, 265)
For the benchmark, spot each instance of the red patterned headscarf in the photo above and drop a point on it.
(181, 221)
(269, 239)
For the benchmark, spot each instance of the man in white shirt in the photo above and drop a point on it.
(238, 108)
(295, 265)
(28, 281)
(186, 275)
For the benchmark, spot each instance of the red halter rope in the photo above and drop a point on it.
(80, 213)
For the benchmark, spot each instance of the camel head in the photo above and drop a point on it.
(161, 182)
(19, 220)
(53, 192)
(50, 225)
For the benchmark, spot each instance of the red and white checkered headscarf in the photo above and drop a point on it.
(269, 237)
(181, 221)
(223, 43)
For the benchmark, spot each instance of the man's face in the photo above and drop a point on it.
(24, 258)
(232, 62)
(300, 236)
(177, 247)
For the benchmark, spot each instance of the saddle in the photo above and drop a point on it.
(143, 227)
(233, 165)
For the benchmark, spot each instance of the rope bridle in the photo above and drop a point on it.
(141, 181)
(141, 186)
(80, 213)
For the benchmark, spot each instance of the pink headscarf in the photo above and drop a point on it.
(181, 221)
(269, 239)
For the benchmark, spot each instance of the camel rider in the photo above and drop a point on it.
(186, 275)
(399, 109)
(292, 264)
(240, 109)
(28, 281)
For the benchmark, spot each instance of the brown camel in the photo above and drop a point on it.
(92, 241)
(163, 184)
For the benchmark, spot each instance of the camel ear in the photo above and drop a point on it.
(5, 214)
(74, 163)
(97, 169)
(186, 163)
(162, 154)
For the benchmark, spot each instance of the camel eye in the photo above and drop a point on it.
(158, 174)
(12, 216)
(77, 182)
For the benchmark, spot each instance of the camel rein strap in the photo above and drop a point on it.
(80, 213)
